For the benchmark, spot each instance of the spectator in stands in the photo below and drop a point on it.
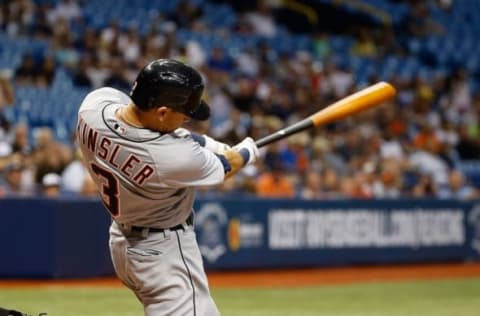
(27, 72)
(219, 61)
(5, 154)
(424, 188)
(468, 147)
(264, 88)
(312, 186)
(418, 22)
(364, 45)
(46, 72)
(457, 188)
(233, 129)
(51, 185)
(350, 144)
(461, 103)
(129, 44)
(117, 78)
(224, 110)
(242, 92)
(321, 45)
(281, 105)
(324, 156)
(155, 44)
(65, 52)
(262, 20)
(66, 9)
(275, 183)
(97, 70)
(350, 188)
(248, 63)
(18, 17)
(42, 27)
(20, 141)
(389, 183)
(7, 98)
(80, 76)
(331, 182)
(75, 177)
(49, 155)
(14, 185)
(391, 146)
(338, 80)
(88, 43)
(7, 94)
(186, 13)
(426, 137)
(428, 163)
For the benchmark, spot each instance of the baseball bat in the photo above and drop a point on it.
(352, 104)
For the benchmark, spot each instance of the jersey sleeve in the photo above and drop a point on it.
(186, 163)
(96, 97)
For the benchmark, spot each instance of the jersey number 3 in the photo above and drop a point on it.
(109, 189)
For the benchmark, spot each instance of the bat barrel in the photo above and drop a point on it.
(352, 104)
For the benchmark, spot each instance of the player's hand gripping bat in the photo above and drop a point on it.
(352, 104)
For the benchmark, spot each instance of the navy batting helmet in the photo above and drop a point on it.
(167, 82)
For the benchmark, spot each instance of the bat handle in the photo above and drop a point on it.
(267, 140)
(295, 128)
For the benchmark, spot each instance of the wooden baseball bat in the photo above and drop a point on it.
(352, 104)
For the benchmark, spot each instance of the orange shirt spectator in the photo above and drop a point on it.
(427, 139)
(275, 184)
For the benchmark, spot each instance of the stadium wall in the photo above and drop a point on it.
(69, 238)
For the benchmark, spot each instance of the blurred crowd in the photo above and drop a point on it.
(410, 147)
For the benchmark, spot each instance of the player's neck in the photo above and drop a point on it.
(134, 117)
(130, 116)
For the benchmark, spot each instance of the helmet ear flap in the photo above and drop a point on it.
(202, 113)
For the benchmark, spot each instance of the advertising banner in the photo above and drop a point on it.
(289, 233)
(69, 238)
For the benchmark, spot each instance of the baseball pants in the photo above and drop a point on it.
(164, 270)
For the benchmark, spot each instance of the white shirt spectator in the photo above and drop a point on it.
(129, 46)
(391, 149)
(431, 165)
(195, 54)
(248, 64)
(97, 75)
(67, 9)
(222, 106)
(341, 82)
(73, 177)
(262, 24)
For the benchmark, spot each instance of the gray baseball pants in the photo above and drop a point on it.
(164, 270)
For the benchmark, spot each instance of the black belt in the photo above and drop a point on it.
(138, 229)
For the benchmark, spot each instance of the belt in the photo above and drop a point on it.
(138, 229)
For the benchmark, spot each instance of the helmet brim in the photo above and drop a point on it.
(202, 113)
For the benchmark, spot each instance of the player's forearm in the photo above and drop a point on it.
(236, 161)
(209, 143)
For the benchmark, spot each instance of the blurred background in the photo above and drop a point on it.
(397, 184)
(266, 64)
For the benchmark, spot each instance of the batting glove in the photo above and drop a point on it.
(214, 145)
(248, 149)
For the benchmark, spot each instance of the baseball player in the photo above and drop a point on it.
(146, 168)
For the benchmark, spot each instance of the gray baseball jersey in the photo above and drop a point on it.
(145, 178)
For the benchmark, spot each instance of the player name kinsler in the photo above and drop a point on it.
(132, 166)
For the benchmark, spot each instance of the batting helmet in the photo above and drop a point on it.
(167, 82)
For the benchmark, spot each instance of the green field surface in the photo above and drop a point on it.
(459, 297)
